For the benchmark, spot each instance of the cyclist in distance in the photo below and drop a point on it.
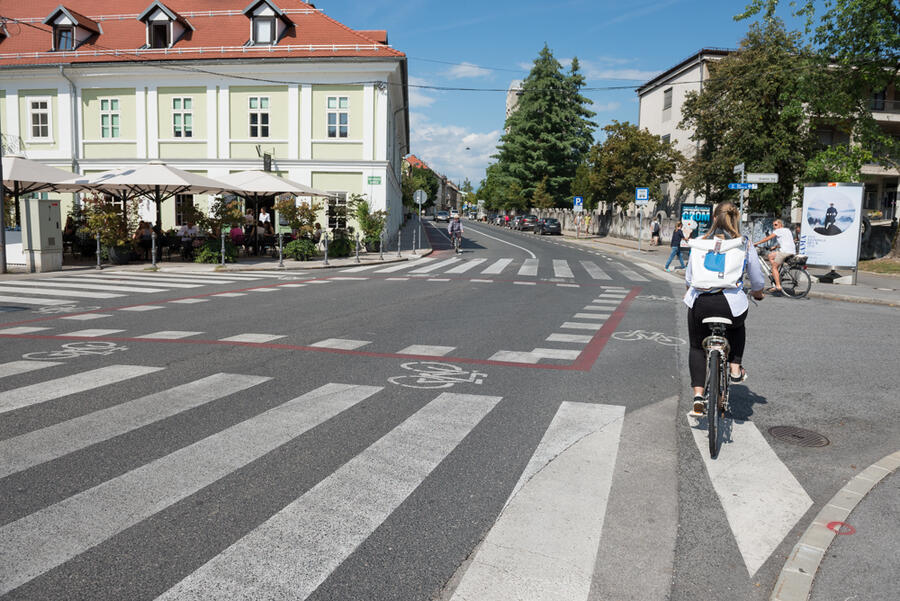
(785, 250)
(728, 302)
(455, 229)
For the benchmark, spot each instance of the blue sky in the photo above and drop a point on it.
(468, 44)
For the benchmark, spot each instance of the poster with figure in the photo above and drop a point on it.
(696, 218)
(830, 227)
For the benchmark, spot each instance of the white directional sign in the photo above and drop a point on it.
(762, 178)
(738, 168)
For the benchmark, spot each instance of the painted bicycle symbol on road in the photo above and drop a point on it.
(71, 350)
(64, 309)
(432, 374)
(657, 337)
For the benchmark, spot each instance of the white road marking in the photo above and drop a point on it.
(544, 543)
(571, 325)
(142, 308)
(22, 330)
(515, 357)
(14, 368)
(555, 353)
(498, 266)
(68, 284)
(466, 266)
(86, 519)
(338, 278)
(24, 300)
(169, 335)
(526, 283)
(86, 316)
(163, 277)
(569, 338)
(231, 294)
(761, 497)
(136, 280)
(437, 265)
(598, 308)
(93, 333)
(46, 444)
(482, 281)
(405, 265)
(561, 269)
(594, 271)
(630, 274)
(293, 285)
(319, 282)
(266, 289)
(60, 292)
(295, 550)
(341, 343)
(190, 301)
(360, 268)
(42, 392)
(480, 233)
(250, 337)
(426, 349)
(529, 267)
(568, 285)
(396, 279)
(591, 316)
(602, 301)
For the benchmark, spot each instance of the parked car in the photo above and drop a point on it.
(548, 225)
(454, 213)
(527, 222)
(514, 222)
(442, 216)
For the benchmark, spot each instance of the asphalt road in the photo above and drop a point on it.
(509, 423)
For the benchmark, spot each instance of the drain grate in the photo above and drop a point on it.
(798, 436)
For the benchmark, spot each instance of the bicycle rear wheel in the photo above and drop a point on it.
(796, 282)
(713, 385)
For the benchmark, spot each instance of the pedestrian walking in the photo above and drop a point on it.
(677, 237)
(654, 231)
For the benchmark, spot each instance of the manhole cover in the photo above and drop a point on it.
(798, 436)
(11, 309)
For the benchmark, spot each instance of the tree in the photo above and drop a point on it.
(300, 217)
(418, 178)
(581, 186)
(840, 163)
(466, 191)
(550, 131)
(630, 157)
(541, 198)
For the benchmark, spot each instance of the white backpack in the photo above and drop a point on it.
(717, 264)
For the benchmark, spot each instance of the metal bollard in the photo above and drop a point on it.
(381, 246)
(223, 246)
(415, 233)
(280, 250)
(98, 251)
(153, 247)
(325, 236)
(398, 244)
(357, 247)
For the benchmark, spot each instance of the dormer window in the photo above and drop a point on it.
(164, 26)
(70, 29)
(65, 38)
(267, 23)
(159, 35)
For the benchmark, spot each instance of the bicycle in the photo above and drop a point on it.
(457, 241)
(717, 378)
(795, 280)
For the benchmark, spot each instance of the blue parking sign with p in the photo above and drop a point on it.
(578, 201)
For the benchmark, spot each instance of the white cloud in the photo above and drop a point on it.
(467, 70)
(452, 150)
(418, 98)
(605, 108)
(610, 68)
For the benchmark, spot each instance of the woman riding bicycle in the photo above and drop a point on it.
(730, 302)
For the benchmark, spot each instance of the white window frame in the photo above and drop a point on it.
(110, 112)
(48, 112)
(182, 130)
(273, 28)
(167, 24)
(57, 32)
(337, 112)
(339, 199)
(260, 112)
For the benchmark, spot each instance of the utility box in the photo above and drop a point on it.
(42, 235)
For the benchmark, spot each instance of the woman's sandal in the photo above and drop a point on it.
(738, 379)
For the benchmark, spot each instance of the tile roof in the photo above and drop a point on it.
(220, 31)
(416, 162)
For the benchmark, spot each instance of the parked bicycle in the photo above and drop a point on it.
(795, 280)
(716, 392)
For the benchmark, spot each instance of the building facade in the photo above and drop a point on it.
(208, 86)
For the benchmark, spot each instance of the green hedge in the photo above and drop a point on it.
(211, 252)
(301, 250)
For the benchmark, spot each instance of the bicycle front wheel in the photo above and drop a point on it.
(714, 379)
(796, 282)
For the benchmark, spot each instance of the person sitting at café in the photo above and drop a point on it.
(188, 234)
(268, 230)
(237, 235)
(143, 239)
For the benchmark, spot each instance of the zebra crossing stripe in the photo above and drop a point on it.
(544, 544)
(14, 368)
(594, 271)
(250, 337)
(569, 338)
(529, 267)
(498, 266)
(125, 280)
(427, 350)
(360, 268)
(437, 265)
(295, 550)
(190, 301)
(110, 286)
(59, 292)
(47, 538)
(561, 269)
(466, 266)
(630, 274)
(341, 343)
(46, 444)
(169, 335)
(22, 330)
(17, 398)
(183, 277)
(555, 353)
(405, 265)
(24, 300)
(574, 325)
(591, 316)
(93, 333)
(86, 316)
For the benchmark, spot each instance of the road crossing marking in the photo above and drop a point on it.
(568, 285)
(250, 337)
(603, 301)
(438, 280)
(552, 353)
(295, 550)
(26, 396)
(267, 289)
(162, 278)
(498, 266)
(529, 267)
(467, 266)
(86, 316)
(56, 283)
(25, 300)
(761, 497)
(14, 368)
(59, 292)
(341, 343)
(396, 279)
(361, 268)
(515, 357)
(293, 285)
(591, 316)
(405, 265)
(477, 281)
(544, 543)
(22, 330)
(93, 333)
(439, 264)
(561, 269)
(230, 294)
(142, 308)
(169, 335)
(338, 278)
(426, 349)
(597, 308)
(86, 519)
(594, 271)
(128, 279)
(572, 325)
(526, 283)
(628, 273)
(569, 338)
(190, 301)
(39, 446)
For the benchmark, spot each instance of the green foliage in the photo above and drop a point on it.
(211, 252)
(541, 198)
(370, 222)
(103, 216)
(340, 247)
(549, 133)
(419, 179)
(581, 186)
(841, 163)
(222, 214)
(301, 218)
(300, 249)
(630, 157)
(9, 209)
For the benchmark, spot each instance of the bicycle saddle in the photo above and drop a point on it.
(722, 320)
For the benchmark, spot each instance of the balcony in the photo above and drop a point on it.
(885, 110)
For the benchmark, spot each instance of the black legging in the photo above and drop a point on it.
(712, 305)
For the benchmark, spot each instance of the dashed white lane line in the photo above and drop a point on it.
(396, 279)
(425, 349)
(477, 281)
(525, 283)
(22, 330)
(94, 333)
(341, 343)
(569, 338)
(169, 335)
(86, 316)
(230, 294)
(141, 308)
(438, 280)
(190, 301)
(568, 285)
(249, 337)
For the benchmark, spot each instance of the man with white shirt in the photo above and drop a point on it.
(784, 249)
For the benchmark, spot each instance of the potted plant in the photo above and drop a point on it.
(111, 220)
(223, 213)
(370, 222)
(301, 218)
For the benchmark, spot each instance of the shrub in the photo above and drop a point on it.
(301, 249)
(211, 252)
(340, 247)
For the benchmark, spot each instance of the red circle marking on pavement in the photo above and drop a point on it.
(841, 528)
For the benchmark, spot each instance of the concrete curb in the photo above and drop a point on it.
(796, 578)
(853, 299)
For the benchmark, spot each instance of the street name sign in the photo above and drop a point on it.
(375, 180)
(420, 197)
(578, 204)
(762, 178)
(740, 186)
(738, 168)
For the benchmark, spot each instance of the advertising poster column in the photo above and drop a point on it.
(830, 228)
(696, 218)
